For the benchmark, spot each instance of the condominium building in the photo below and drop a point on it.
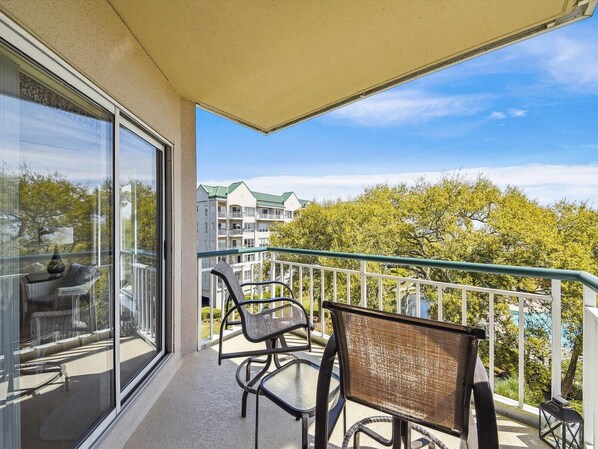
(236, 217)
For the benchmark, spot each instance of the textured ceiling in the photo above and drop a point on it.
(269, 64)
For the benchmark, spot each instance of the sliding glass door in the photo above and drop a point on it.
(57, 376)
(81, 258)
(140, 162)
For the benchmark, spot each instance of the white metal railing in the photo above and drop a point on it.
(263, 216)
(144, 300)
(222, 231)
(235, 215)
(590, 367)
(426, 298)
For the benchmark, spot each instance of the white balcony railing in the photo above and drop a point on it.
(235, 215)
(222, 231)
(378, 282)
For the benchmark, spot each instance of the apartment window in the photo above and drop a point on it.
(249, 211)
(206, 227)
(205, 211)
(56, 139)
(247, 275)
(249, 257)
(288, 214)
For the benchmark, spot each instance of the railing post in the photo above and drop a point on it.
(521, 359)
(556, 337)
(273, 275)
(320, 308)
(590, 365)
(199, 295)
(300, 298)
(491, 341)
(364, 284)
(398, 296)
(440, 303)
(464, 307)
(311, 294)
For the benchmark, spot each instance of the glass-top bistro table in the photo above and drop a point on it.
(293, 387)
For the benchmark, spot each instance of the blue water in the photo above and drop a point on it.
(537, 319)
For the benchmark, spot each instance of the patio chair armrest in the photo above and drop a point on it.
(486, 431)
(244, 284)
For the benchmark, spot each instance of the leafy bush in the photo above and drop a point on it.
(509, 387)
(205, 313)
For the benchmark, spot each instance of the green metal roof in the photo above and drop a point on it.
(215, 191)
(263, 199)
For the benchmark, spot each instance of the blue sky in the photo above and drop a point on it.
(526, 115)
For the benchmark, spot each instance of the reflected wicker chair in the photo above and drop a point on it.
(73, 300)
(419, 372)
(262, 321)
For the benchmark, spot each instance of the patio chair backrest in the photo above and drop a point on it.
(224, 271)
(418, 370)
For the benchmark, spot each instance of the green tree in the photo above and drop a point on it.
(464, 220)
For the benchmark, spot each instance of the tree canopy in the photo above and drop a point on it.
(474, 221)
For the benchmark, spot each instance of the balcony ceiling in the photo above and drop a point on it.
(270, 64)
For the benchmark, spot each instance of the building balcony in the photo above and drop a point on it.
(235, 232)
(222, 232)
(235, 215)
(262, 216)
(222, 215)
(513, 320)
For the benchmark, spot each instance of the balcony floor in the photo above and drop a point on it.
(201, 409)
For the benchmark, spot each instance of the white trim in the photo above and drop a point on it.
(116, 259)
(134, 382)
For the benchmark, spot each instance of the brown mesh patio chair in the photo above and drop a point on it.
(419, 372)
(262, 321)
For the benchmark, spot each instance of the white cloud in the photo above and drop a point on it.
(546, 183)
(517, 112)
(569, 61)
(498, 115)
(408, 106)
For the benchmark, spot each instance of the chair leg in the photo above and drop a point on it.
(304, 427)
(251, 383)
(401, 434)
(257, 417)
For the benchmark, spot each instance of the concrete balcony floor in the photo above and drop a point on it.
(201, 408)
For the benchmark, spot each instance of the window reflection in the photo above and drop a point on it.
(140, 271)
(56, 294)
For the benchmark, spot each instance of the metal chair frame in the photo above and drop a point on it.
(275, 342)
(483, 435)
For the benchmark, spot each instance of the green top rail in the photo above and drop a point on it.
(584, 277)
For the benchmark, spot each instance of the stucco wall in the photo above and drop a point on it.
(90, 36)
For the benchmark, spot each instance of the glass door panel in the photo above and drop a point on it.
(140, 164)
(57, 378)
